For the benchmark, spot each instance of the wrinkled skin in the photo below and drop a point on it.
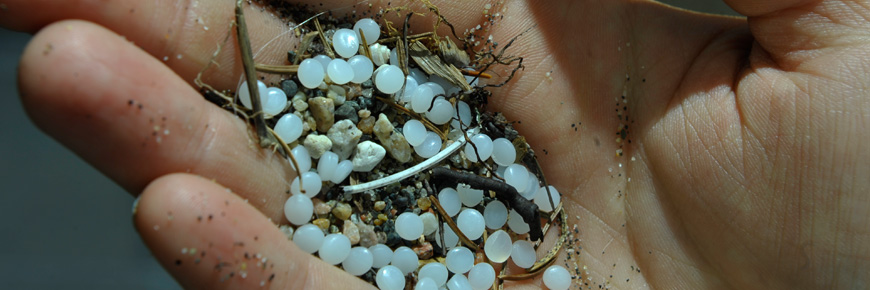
(744, 170)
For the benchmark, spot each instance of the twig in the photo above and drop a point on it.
(266, 140)
(462, 238)
(326, 46)
(539, 266)
(276, 69)
(289, 153)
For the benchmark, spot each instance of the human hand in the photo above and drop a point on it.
(717, 125)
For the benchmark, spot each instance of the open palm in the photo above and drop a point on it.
(693, 151)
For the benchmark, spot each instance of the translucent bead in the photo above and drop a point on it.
(425, 284)
(430, 146)
(408, 91)
(531, 187)
(245, 95)
(358, 262)
(370, 29)
(498, 246)
(481, 276)
(323, 60)
(303, 159)
(435, 271)
(415, 132)
(463, 113)
(436, 88)
(516, 223)
(430, 223)
(557, 277)
(310, 73)
(389, 79)
(495, 214)
(409, 226)
(450, 238)
(311, 182)
(523, 254)
(543, 202)
(484, 147)
(470, 197)
(390, 278)
(405, 259)
(394, 58)
(289, 128)
(335, 248)
(458, 282)
(275, 102)
(339, 71)
(418, 75)
(421, 99)
(459, 260)
(298, 209)
(345, 42)
(362, 68)
(471, 223)
(441, 112)
(447, 88)
(449, 200)
(327, 164)
(382, 255)
(517, 176)
(503, 152)
(308, 238)
(342, 171)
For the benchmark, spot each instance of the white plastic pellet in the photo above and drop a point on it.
(311, 73)
(498, 246)
(470, 197)
(430, 146)
(435, 271)
(335, 248)
(523, 254)
(458, 282)
(543, 202)
(495, 214)
(422, 98)
(414, 132)
(418, 75)
(484, 147)
(557, 277)
(405, 259)
(394, 58)
(382, 255)
(426, 284)
(462, 113)
(450, 238)
(532, 187)
(303, 159)
(298, 209)
(342, 171)
(275, 101)
(517, 176)
(408, 91)
(430, 223)
(437, 89)
(471, 223)
(370, 29)
(339, 71)
(503, 152)
(459, 260)
(289, 128)
(390, 278)
(327, 164)
(441, 112)
(449, 200)
(516, 223)
(245, 95)
(362, 68)
(311, 182)
(358, 262)
(389, 79)
(323, 60)
(345, 42)
(481, 276)
(409, 226)
(308, 238)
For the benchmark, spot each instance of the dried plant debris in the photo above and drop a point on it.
(402, 173)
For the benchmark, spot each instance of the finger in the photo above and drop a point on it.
(209, 238)
(133, 119)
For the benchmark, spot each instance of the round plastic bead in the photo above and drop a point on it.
(458, 282)
(394, 58)
(339, 71)
(303, 159)
(517, 176)
(310, 73)
(459, 260)
(449, 200)
(470, 197)
(435, 271)
(370, 29)
(430, 146)
(358, 262)
(418, 75)
(335, 249)
(342, 171)
(463, 113)
(471, 223)
(531, 187)
(409, 226)
(327, 164)
(311, 182)
(484, 147)
(408, 91)
(516, 223)
(405, 259)
(498, 246)
(425, 284)
(382, 255)
(308, 238)
(389, 79)
(362, 68)
(390, 278)
(437, 89)
(523, 254)
(414, 131)
(345, 42)
(245, 95)
(481, 276)
(441, 112)
(430, 223)
(503, 152)
(298, 209)
(323, 60)
(543, 202)
(495, 214)
(289, 128)
(275, 101)
(557, 277)
(421, 99)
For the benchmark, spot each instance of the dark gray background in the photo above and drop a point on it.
(63, 224)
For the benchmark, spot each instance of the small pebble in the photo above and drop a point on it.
(368, 154)
(321, 208)
(394, 142)
(322, 223)
(316, 145)
(351, 231)
(366, 125)
(342, 211)
(345, 136)
(380, 205)
(323, 111)
(423, 203)
(424, 251)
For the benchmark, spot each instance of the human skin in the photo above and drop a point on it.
(744, 168)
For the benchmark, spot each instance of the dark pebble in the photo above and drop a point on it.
(348, 110)
(290, 88)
